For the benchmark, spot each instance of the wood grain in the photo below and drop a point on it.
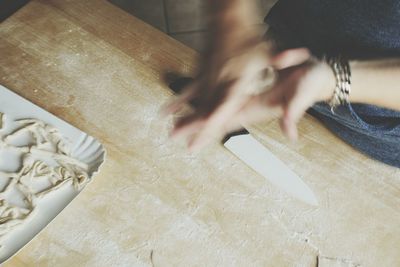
(102, 70)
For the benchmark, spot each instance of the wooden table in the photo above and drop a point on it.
(154, 204)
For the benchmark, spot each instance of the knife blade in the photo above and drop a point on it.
(260, 159)
(265, 163)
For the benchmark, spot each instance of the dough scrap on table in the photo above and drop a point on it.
(48, 144)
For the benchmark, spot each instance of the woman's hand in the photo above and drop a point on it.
(297, 89)
(224, 90)
(225, 101)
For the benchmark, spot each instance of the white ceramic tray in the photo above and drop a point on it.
(83, 148)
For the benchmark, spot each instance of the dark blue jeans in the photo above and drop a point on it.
(372, 130)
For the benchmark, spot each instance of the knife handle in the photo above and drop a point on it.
(178, 85)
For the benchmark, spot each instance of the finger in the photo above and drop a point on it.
(203, 120)
(259, 108)
(252, 117)
(203, 138)
(289, 128)
(290, 57)
(187, 126)
(254, 111)
(215, 124)
(196, 143)
(293, 111)
(177, 104)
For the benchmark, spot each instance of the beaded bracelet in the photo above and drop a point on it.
(342, 72)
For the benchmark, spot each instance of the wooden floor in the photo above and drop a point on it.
(184, 20)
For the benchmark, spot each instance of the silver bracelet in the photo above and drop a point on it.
(342, 72)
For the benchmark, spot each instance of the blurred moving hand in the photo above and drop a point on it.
(225, 93)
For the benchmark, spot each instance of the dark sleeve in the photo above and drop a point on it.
(353, 28)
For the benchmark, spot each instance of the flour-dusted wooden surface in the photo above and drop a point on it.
(153, 204)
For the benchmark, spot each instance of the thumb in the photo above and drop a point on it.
(290, 57)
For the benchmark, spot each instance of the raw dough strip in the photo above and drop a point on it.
(43, 133)
(12, 224)
(79, 175)
(47, 143)
(59, 158)
(21, 149)
(11, 183)
(8, 174)
(57, 186)
(20, 130)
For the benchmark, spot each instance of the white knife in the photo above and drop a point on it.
(259, 158)
(262, 161)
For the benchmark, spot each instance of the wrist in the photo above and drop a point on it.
(329, 82)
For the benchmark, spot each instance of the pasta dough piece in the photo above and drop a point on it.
(47, 144)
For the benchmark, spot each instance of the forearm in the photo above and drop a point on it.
(231, 17)
(376, 82)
